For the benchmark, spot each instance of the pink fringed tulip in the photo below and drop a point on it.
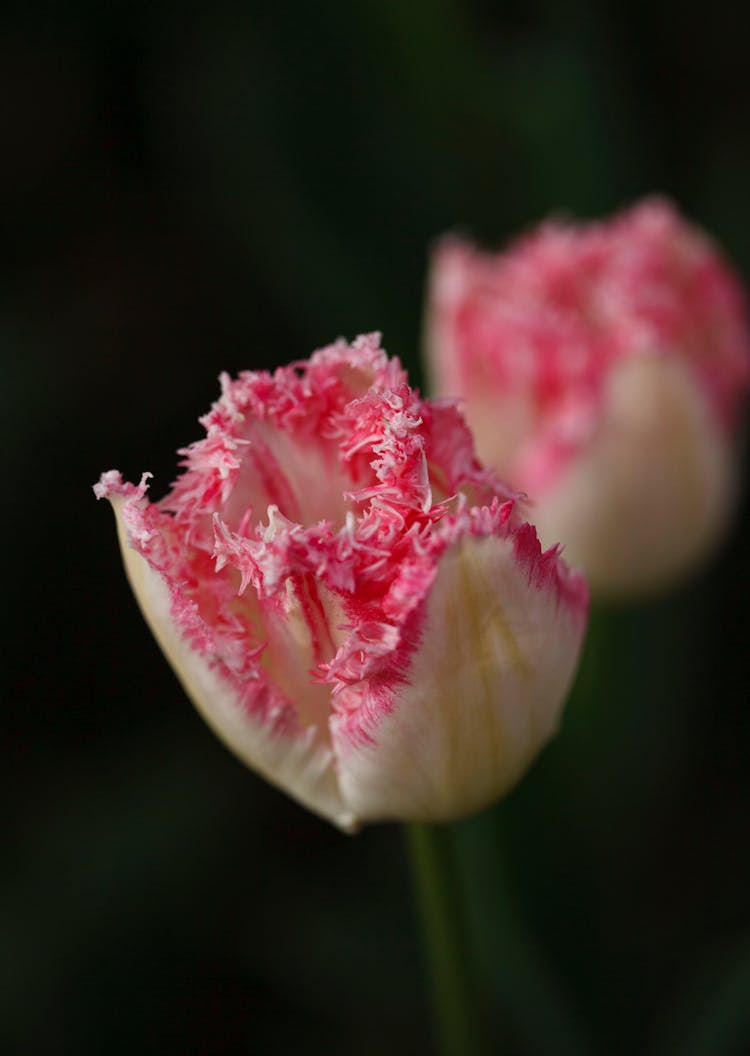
(354, 605)
(601, 368)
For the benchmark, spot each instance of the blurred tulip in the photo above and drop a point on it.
(357, 607)
(601, 368)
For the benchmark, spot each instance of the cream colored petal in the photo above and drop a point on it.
(651, 494)
(299, 764)
(485, 691)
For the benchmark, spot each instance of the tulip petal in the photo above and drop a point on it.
(498, 647)
(658, 468)
(295, 759)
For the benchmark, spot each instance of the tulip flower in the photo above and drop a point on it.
(354, 604)
(602, 368)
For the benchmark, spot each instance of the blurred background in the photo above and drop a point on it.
(189, 188)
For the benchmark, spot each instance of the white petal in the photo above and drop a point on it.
(484, 692)
(300, 764)
(652, 492)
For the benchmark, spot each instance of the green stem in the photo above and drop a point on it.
(440, 905)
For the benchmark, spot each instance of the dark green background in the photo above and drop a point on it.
(190, 188)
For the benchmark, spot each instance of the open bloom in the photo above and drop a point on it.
(601, 368)
(354, 604)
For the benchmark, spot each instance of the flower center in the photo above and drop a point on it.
(302, 474)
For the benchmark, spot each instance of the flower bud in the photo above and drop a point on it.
(601, 368)
(353, 603)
